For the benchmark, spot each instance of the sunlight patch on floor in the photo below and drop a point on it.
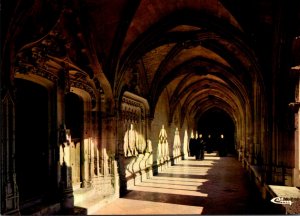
(148, 207)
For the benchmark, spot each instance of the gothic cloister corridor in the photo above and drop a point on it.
(216, 185)
(113, 101)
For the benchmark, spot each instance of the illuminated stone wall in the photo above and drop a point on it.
(147, 146)
(170, 139)
(135, 147)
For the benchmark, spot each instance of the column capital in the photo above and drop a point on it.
(295, 71)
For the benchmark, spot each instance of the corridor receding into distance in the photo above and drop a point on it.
(215, 185)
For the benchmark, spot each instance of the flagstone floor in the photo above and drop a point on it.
(215, 185)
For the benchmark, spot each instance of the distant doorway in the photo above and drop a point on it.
(32, 141)
(217, 129)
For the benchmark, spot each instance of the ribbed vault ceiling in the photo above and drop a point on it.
(205, 53)
(196, 50)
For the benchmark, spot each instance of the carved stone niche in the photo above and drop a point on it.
(134, 110)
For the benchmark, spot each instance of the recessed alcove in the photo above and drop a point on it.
(32, 137)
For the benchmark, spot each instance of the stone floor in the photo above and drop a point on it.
(212, 186)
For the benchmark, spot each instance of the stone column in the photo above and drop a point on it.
(296, 111)
(9, 188)
(250, 150)
(67, 200)
(85, 163)
(120, 157)
(66, 189)
(185, 150)
(65, 176)
(96, 142)
(296, 170)
(87, 138)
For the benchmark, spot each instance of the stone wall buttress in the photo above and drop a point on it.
(295, 110)
(9, 188)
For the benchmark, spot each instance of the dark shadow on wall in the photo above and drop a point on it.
(36, 156)
(35, 177)
(64, 202)
(31, 142)
(66, 194)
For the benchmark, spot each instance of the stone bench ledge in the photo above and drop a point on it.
(289, 194)
(284, 191)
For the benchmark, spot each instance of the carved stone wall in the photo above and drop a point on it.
(135, 148)
(133, 118)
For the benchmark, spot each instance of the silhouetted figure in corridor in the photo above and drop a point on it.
(192, 146)
(199, 148)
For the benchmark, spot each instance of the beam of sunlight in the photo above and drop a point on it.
(170, 190)
(185, 143)
(185, 179)
(148, 208)
(187, 183)
(130, 142)
(163, 145)
(170, 186)
(176, 179)
(176, 144)
(183, 185)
